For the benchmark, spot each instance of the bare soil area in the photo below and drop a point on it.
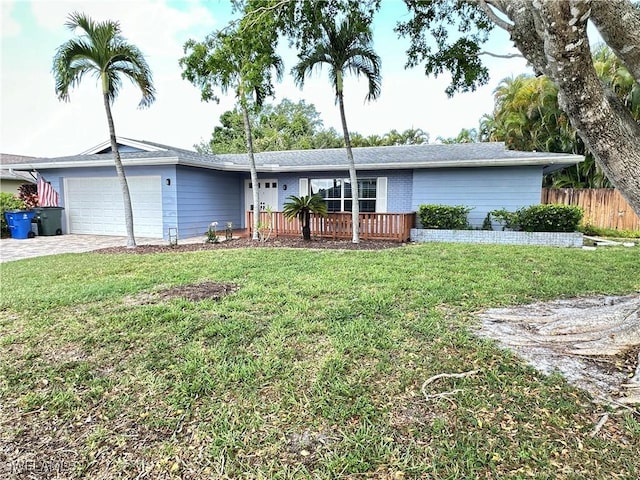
(194, 292)
(594, 342)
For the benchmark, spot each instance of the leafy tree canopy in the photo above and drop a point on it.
(527, 116)
(301, 20)
(294, 126)
(285, 126)
(552, 36)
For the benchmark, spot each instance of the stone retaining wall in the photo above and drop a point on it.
(550, 239)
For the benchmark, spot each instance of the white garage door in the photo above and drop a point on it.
(95, 206)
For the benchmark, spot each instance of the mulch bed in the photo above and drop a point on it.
(287, 242)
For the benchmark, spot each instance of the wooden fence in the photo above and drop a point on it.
(603, 207)
(373, 226)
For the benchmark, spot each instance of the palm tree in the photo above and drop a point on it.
(240, 58)
(302, 207)
(344, 46)
(103, 52)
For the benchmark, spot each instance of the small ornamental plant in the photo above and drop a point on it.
(265, 225)
(302, 208)
(228, 231)
(212, 234)
(28, 193)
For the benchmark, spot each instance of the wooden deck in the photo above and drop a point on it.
(373, 226)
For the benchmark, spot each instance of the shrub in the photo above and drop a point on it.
(486, 223)
(444, 217)
(549, 218)
(508, 220)
(608, 232)
(8, 202)
(28, 193)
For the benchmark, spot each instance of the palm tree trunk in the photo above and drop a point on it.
(126, 196)
(306, 225)
(252, 168)
(355, 206)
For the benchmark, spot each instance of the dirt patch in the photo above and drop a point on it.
(287, 242)
(193, 292)
(594, 342)
(306, 447)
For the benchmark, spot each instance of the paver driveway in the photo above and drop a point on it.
(12, 249)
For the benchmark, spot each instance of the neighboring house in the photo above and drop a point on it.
(176, 188)
(11, 180)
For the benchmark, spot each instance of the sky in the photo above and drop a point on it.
(34, 122)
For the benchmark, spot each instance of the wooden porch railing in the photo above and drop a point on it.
(373, 226)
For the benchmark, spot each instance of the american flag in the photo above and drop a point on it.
(47, 196)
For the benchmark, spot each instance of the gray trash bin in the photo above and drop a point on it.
(49, 220)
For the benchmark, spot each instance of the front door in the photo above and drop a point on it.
(267, 194)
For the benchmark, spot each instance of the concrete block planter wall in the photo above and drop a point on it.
(551, 239)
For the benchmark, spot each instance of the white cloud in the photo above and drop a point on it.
(9, 27)
(34, 122)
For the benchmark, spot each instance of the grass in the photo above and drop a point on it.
(312, 369)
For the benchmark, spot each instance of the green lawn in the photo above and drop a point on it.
(312, 369)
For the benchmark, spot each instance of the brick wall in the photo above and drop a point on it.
(551, 239)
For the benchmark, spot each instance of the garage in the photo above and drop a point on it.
(96, 206)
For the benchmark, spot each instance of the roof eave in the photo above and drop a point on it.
(224, 166)
(537, 161)
(128, 162)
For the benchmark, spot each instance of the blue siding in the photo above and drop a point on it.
(169, 205)
(206, 196)
(292, 181)
(399, 185)
(485, 189)
(196, 197)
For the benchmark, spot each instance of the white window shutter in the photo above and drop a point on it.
(303, 187)
(381, 195)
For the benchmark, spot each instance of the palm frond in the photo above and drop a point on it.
(103, 51)
(344, 47)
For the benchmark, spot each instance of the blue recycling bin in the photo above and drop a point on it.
(19, 222)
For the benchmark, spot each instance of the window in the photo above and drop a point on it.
(336, 193)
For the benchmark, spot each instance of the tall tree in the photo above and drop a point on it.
(102, 51)
(466, 135)
(552, 36)
(240, 58)
(527, 116)
(284, 126)
(344, 45)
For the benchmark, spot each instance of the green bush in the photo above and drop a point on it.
(549, 218)
(508, 220)
(608, 232)
(8, 202)
(444, 217)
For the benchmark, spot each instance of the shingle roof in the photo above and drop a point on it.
(393, 157)
(8, 158)
(7, 174)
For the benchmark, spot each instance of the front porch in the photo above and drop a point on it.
(373, 226)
